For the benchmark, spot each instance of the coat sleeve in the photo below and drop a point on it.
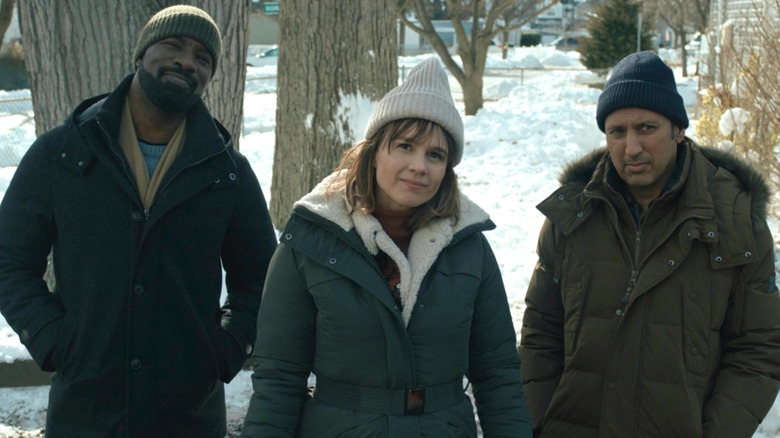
(247, 249)
(494, 365)
(284, 351)
(27, 232)
(541, 346)
(749, 377)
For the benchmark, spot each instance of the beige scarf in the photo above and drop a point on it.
(128, 141)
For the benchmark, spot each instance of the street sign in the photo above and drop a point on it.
(271, 8)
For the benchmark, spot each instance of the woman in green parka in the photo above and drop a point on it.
(385, 289)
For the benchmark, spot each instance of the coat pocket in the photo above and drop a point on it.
(63, 352)
(456, 421)
(696, 305)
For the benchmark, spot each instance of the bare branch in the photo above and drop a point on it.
(525, 20)
(453, 7)
(414, 27)
(438, 45)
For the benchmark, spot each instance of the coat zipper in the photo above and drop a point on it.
(637, 241)
(119, 157)
(147, 212)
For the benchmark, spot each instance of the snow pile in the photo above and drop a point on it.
(499, 89)
(529, 61)
(561, 59)
(733, 121)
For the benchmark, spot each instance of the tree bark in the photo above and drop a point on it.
(225, 93)
(75, 49)
(504, 44)
(6, 15)
(401, 38)
(684, 52)
(472, 92)
(333, 55)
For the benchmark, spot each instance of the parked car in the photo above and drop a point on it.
(267, 56)
(566, 43)
(273, 51)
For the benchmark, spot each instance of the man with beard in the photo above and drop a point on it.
(143, 201)
(653, 309)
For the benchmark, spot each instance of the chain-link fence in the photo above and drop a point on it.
(17, 128)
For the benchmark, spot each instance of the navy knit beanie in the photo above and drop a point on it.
(642, 80)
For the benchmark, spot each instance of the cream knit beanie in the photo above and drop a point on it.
(424, 95)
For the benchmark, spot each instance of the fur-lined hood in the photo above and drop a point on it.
(426, 244)
(582, 170)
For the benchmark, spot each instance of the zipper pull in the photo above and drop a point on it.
(629, 288)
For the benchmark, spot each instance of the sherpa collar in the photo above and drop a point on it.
(425, 247)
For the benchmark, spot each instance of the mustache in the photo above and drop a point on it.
(637, 160)
(180, 71)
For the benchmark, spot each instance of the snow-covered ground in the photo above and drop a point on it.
(515, 148)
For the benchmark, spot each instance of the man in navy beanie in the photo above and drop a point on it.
(653, 309)
(143, 201)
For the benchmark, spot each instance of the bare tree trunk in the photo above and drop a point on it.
(681, 15)
(333, 55)
(684, 54)
(75, 49)
(683, 38)
(6, 15)
(401, 38)
(225, 93)
(472, 92)
(505, 44)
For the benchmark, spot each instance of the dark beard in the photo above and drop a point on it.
(168, 97)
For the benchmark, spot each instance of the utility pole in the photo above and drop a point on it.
(639, 31)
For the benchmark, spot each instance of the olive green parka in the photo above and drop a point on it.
(671, 330)
(327, 309)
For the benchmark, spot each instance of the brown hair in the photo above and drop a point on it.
(359, 182)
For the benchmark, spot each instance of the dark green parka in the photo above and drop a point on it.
(671, 330)
(327, 309)
(141, 342)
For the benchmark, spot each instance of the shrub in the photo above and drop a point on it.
(528, 39)
(612, 32)
(745, 115)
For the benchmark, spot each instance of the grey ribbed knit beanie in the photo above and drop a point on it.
(181, 21)
(642, 80)
(424, 95)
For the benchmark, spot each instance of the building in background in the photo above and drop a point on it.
(733, 24)
(264, 22)
(13, 34)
